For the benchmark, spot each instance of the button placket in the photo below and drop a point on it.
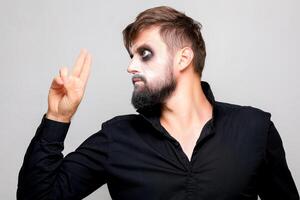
(189, 186)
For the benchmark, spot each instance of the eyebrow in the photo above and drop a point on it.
(140, 48)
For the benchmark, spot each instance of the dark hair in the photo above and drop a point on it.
(176, 29)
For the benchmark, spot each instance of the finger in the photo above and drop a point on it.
(57, 83)
(84, 75)
(63, 72)
(79, 63)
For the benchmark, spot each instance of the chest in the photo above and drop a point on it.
(186, 137)
(224, 163)
(158, 170)
(187, 141)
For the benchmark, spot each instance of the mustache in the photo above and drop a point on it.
(138, 76)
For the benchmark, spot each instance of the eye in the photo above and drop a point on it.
(146, 54)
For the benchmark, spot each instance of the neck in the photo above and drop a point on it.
(188, 105)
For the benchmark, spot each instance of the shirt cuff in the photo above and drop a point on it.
(53, 131)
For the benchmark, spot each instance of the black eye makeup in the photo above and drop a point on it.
(145, 54)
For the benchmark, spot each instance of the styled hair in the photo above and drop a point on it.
(176, 29)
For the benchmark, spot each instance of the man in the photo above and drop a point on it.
(182, 145)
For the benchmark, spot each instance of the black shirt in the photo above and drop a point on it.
(238, 155)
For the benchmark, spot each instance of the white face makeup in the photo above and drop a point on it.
(151, 66)
(149, 58)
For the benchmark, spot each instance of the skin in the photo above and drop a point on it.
(151, 70)
(187, 110)
(67, 89)
(184, 112)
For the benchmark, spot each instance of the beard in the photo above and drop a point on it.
(146, 97)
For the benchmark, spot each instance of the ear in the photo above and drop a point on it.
(184, 58)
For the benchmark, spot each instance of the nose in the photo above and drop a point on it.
(134, 66)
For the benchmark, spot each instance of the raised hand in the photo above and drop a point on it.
(67, 89)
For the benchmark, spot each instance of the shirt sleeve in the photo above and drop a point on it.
(276, 181)
(47, 174)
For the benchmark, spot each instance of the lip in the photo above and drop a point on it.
(134, 80)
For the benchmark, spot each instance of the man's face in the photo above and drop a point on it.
(152, 69)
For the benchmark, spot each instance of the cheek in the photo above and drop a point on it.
(155, 71)
(155, 78)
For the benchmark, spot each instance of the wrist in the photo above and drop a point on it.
(59, 118)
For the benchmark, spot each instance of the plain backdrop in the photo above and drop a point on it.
(252, 59)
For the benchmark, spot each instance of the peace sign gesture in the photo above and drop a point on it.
(67, 89)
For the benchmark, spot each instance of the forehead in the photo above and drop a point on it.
(149, 36)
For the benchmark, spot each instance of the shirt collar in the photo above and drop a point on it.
(152, 114)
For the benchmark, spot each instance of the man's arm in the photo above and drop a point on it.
(276, 181)
(45, 174)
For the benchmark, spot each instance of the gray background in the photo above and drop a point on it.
(253, 59)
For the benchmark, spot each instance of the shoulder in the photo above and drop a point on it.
(241, 109)
(244, 121)
(244, 113)
(121, 121)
